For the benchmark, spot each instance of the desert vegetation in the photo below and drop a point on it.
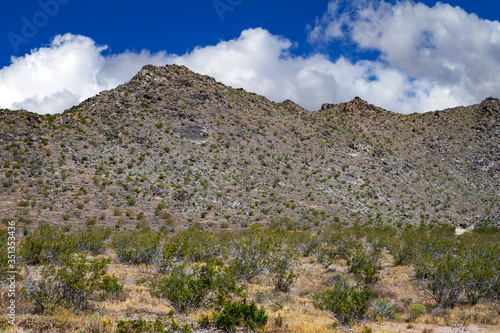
(257, 278)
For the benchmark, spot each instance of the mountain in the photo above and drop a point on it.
(178, 147)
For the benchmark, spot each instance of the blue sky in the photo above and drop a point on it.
(309, 51)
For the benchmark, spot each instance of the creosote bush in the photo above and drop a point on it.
(256, 250)
(136, 246)
(451, 269)
(191, 288)
(73, 284)
(160, 325)
(45, 244)
(363, 260)
(241, 314)
(348, 304)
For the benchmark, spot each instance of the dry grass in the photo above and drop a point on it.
(481, 314)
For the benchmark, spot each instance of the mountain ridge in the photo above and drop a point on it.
(173, 145)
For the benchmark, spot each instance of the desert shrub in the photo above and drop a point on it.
(140, 325)
(204, 321)
(480, 258)
(91, 239)
(452, 270)
(384, 309)
(485, 229)
(165, 256)
(416, 310)
(70, 285)
(337, 243)
(363, 260)
(364, 264)
(136, 247)
(441, 279)
(241, 314)
(347, 304)
(251, 253)
(367, 329)
(256, 251)
(279, 321)
(187, 289)
(196, 245)
(110, 286)
(405, 247)
(304, 243)
(283, 267)
(45, 244)
(379, 237)
(192, 245)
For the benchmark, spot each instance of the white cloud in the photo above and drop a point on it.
(451, 56)
(71, 68)
(430, 58)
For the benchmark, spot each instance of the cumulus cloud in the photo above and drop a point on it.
(427, 59)
(65, 72)
(448, 56)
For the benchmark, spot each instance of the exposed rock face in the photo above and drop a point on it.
(210, 153)
(194, 133)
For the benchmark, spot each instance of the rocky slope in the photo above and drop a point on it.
(172, 146)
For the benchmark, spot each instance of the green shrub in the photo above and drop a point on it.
(279, 321)
(347, 304)
(91, 222)
(365, 265)
(188, 291)
(241, 314)
(110, 286)
(480, 259)
(196, 245)
(337, 244)
(416, 310)
(136, 246)
(283, 268)
(441, 279)
(72, 284)
(45, 244)
(367, 329)
(253, 252)
(185, 292)
(91, 239)
(452, 269)
(204, 321)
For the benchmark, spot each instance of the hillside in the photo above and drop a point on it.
(178, 147)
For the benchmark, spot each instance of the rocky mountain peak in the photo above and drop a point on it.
(214, 155)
